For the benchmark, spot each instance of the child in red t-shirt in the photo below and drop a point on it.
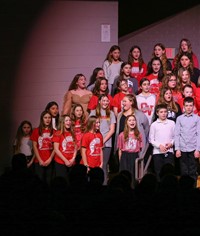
(78, 125)
(188, 92)
(92, 144)
(65, 147)
(101, 87)
(122, 86)
(43, 147)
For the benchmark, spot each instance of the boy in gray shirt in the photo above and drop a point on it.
(187, 139)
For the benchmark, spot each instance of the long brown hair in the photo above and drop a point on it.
(91, 122)
(20, 135)
(82, 119)
(41, 124)
(73, 84)
(126, 129)
(109, 54)
(161, 100)
(98, 108)
(96, 90)
(131, 59)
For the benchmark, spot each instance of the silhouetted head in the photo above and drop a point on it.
(19, 162)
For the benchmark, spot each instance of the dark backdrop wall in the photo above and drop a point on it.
(17, 18)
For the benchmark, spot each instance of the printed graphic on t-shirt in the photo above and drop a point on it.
(171, 114)
(130, 86)
(94, 148)
(130, 144)
(147, 108)
(45, 142)
(68, 145)
(136, 70)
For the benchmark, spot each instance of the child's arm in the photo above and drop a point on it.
(119, 154)
(59, 153)
(37, 155)
(109, 134)
(74, 156)
(101, 158)
(49, 160)
(196, 153)
(31, 161)
(115, 110)
(176, 139)
(67, 103)
(84, 157)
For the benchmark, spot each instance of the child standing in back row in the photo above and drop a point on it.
(112, 65)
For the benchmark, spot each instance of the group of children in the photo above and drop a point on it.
(167, 99)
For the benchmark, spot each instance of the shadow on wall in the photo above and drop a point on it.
(18, 18)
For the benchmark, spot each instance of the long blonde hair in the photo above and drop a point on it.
(98, 108)
(62, 126)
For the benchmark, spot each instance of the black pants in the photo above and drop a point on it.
(44, 172)
(160, 160)
(188, 164)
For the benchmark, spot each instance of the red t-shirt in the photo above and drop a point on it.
(155, 84)
(117, 100)
(94, 101)
(130, 145)
(78, 133)
(138, 73)
(66, 145)
(44, 143)
(93, 142)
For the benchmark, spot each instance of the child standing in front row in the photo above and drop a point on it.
(23, 143)
(92, 144)
(129, 145)
(43, 147)
(161, 136)
(78, 119)
(64, 147)
(187, 141)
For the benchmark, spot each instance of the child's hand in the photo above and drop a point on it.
(196, 154)
(47, 162)
(41, 162)
(163, 148)
(68, 163)
(178, 153)
(168, 145)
